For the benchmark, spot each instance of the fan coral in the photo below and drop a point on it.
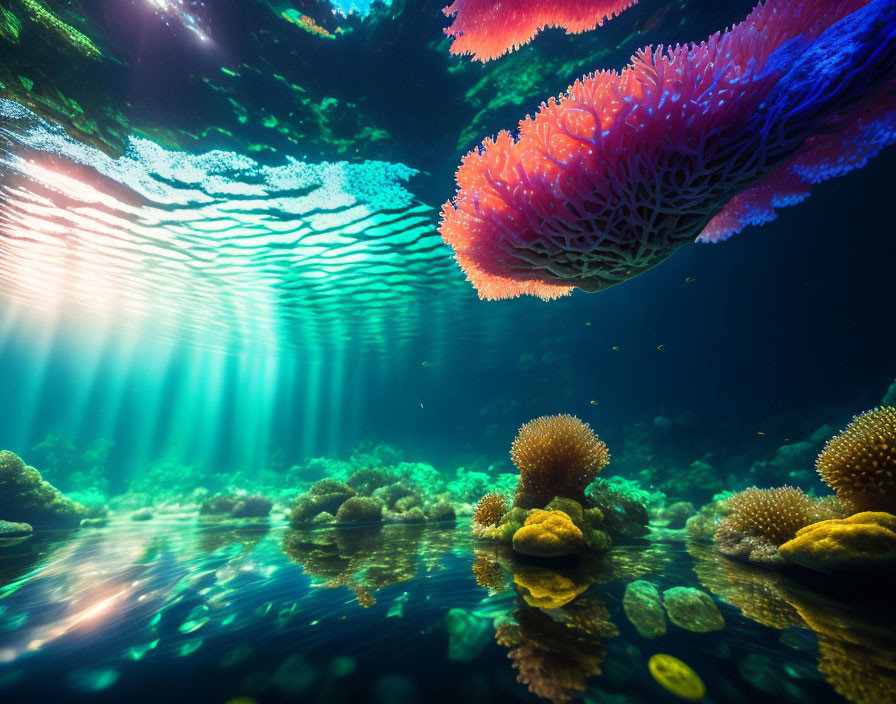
(865, 542)
(614, 176)
(761, 520)
(860, 463)
(487, 29)
(490, 510)
(557, 456)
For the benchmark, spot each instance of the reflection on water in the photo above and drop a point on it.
(257, 609)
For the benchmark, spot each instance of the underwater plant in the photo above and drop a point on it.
(686, 142)
(859, 464)
(556, 456)
(759, 521)
(488, 29)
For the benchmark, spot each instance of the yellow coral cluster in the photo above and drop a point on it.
(548, 534)
(865, 542)
(556, 456)
(860, 463)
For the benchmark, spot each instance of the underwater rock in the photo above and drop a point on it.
(14, 530)
(412, 515)
(360, 509)
(644, 608)
(218, 504)
(692, 609)
(548, 534)
(677, 514)
(26, 498)
(326, 495)
(94, 522)
(704, 523)
(366, 481)
(439, 511)
(323, 518)
(143, 514)
(467, 634)
(251, 507)
(556, 456)
(864, 542)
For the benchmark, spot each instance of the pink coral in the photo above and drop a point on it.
(610, 179)
(487, 29)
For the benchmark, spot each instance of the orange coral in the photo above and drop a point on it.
(860, 463)
(556, 456)
(490, 509)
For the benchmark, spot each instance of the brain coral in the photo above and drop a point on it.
(487, 29)
(761, 520)
(613, 177)
(860, 463)
(548, 534)
(557, 456)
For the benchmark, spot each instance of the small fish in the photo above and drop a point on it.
(421, 404)
(593, 403)
(759, 432)
(786, 439)
(661, 347)
(615, 347)
(690, 279)
(424, 364)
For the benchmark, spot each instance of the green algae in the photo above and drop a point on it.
(66, 32)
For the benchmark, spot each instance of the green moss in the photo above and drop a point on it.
(10, 26)
(67, 33)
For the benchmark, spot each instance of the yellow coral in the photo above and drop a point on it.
(672, 674)
(860, 463)
(548, 534)
(547, 589)
(865, 542)
(557, 456)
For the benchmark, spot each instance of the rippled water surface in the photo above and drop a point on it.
(260, 612)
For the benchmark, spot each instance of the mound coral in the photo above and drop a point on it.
(490, 510)
(487, 29)
(360, 509)
(614, 176)
(865, 542)
(26, 498)
(548, 534)
(859, 464)
(761, 520)
(556, 456)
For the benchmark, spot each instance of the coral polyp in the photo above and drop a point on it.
(860, 463)
(557, 456)
(490, 509)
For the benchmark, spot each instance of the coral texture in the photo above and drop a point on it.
(761, 520)
(487, 29)
(692, 610)
(865, 542)
(490, 510)
(26, 498)
(557, 456)
(548, 534)
(860, 463)
(644, 609)
(613, 177)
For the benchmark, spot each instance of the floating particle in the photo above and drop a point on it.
(92, 680)
(661, 347)
(593, 403)
(676, 677)
(615, 348)
(690, 279)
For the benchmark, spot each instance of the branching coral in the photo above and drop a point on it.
(614, 176)
(557, 456)
(860, 463)
(487, 29)
(490, 510)
(761, 520)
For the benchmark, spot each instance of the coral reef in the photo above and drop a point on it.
(360, 509)
(26, 498)
(761, 520)
(487, 29)
(9, 529)
(859, 464)
(644, 608)
(692, 610)
(676, 515)
(724, 131)
(548, 534)
(704, 523)
(324, 496)
(236, 506)
(623, 512)
(862, 543)
(556, 456)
